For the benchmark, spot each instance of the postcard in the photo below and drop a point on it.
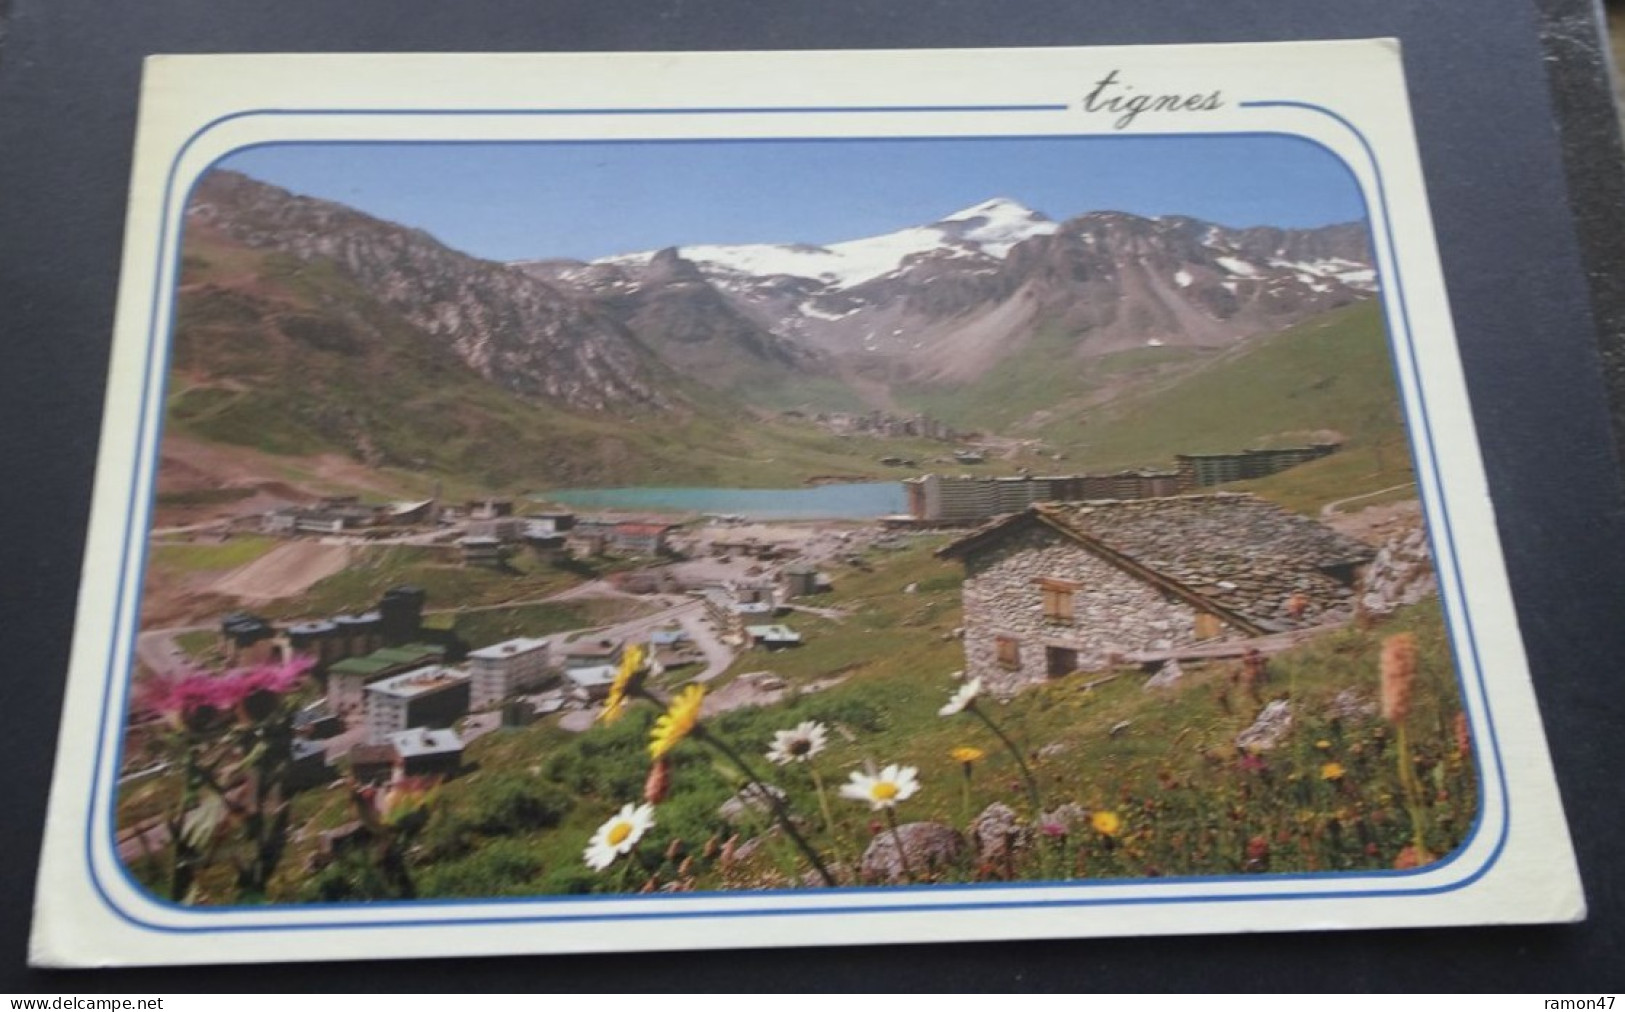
(647, 501)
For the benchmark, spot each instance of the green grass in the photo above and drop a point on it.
(1380, 464)
(482, 628)
(909, 629)
(240, 550)
(199, 644)
(1042, 377)
(808, 393)
(1332, 373)
(445, 581)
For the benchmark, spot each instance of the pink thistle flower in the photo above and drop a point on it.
(1251, 763)
(197, 698)
(192, 698)
(260, 687)
(155, 696)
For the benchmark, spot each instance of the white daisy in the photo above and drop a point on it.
(618, 836)
(894, 784)
(798, 744)
(961, 698)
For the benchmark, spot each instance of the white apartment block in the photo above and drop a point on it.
(433, 696)
(507, 668)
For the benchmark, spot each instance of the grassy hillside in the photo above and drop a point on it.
(291, 359)
(1163, 764)
(438, 571)
(1334, 373)
(1043, 378)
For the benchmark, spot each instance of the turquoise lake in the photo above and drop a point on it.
(857, 501)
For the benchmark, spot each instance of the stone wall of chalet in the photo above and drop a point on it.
(1113, 612)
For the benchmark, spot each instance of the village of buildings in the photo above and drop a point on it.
(1062, 574)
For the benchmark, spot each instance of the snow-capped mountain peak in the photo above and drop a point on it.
(996, 208)
(996, 225)
(990, 228)
(965, 284)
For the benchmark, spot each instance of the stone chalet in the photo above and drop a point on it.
(1064, 587)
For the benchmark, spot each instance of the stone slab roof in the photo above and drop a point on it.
(1244, 554)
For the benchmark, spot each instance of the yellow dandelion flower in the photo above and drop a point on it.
(1331, 771)
(1106, 823)
(677, 722)
(1323, 744)
(615, 702)
(966, 754)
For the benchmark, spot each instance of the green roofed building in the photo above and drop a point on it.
(347, 680)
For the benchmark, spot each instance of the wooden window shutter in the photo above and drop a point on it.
(1009, 652)
(1058, 595)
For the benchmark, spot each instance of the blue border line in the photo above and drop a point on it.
(125, 618)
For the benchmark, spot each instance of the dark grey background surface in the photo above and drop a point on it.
(1532, 249)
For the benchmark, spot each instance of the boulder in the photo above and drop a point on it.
(1268, 729)
(1350, 705)
(927, 846)
(997, 832)
(1401, 574)
(1066, 820)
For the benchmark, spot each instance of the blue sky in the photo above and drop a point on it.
(587, 200)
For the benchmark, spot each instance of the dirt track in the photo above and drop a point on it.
(284, 571)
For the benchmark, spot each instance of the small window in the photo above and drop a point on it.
(1057, 595)
(1009, 652)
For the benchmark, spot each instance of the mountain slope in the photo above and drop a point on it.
(1331, 377)
(513, 329)
(283, 366)
(946, 304)
(674, 311)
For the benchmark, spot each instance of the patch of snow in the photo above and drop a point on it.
(1240, 268)
(1230, 286)
(1153, 342)
(628, 259)
(808, 309)
(994, 228)
(1183, 278)
(1364, 278)
(1000, 223)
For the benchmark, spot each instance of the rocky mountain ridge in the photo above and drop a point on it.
(512, 328)
(937, 306)
(944, 303)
